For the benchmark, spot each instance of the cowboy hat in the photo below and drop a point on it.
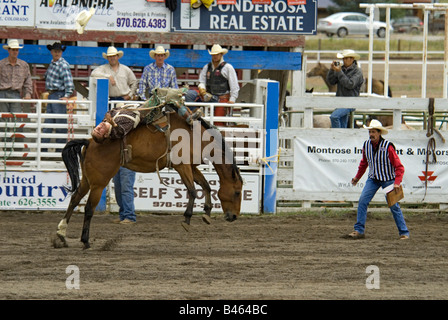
(112, 51)
(375, 124)
(159, 50)
(348, 53)
(12, 44)
(82, 19)
(217, 49)
(56, 46)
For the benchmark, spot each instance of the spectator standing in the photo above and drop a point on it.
(349, 79)
(59, 84)
(15, 80)
(157, 74)
(122, 86)
(218, 82)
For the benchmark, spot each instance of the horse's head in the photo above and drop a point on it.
(318, 71)
(229, 194)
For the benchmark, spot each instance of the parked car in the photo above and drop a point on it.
(407, 24)
(436, 22)
(348, 23)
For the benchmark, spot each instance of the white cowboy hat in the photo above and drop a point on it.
(375, 124)
(112, 51)
(82, 19)
(12, 44)
(217, 49)
(348, 53)
(159, 50)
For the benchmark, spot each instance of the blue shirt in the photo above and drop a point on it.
(155, 77)
(59, 77)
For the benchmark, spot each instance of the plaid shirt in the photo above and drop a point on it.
(154, 77)
(59, 77)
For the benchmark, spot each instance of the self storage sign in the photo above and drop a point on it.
(246, 17)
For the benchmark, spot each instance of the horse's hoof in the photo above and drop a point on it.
(206, 218)
(86, 246)
(58, 241)
(186, 226)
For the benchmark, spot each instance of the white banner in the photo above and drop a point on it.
(17, 13)
(151, 195)
(110, 15)
(33, 190)
(326, 161)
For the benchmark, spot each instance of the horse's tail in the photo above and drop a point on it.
(71, 155)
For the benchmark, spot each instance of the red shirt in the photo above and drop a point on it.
(394, 160)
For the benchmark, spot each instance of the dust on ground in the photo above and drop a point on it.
(291, 257)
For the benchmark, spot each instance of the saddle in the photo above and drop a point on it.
(154, 112)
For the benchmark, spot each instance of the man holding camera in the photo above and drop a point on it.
(349, 79)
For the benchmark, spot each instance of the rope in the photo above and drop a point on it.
(5, 157)
(431, 146)
(71, 129)
(70, 122)
(266, 159)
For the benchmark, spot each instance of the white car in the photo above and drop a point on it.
(348, 23)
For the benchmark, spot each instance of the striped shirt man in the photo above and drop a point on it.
(155, 77)
(382, 160)
(58, 77)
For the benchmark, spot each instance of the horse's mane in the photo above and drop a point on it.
(225, 147)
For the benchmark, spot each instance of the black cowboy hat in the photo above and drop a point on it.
(56, 46)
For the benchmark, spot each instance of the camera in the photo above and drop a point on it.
(336, 63)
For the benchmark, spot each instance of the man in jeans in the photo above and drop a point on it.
(59, 83)
(122, 87)
(385, 169)
(15, 82)
(349, 80)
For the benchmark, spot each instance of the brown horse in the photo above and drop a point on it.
(100, 162)
(320, 70)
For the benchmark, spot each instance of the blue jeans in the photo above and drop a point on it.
(339, 117)
(367, 194)
(14, 107)
(124, 193)
(193, 96)
(58, 108)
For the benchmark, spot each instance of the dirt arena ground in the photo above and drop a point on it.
(291, 257)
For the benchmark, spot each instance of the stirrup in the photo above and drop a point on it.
(196, 115)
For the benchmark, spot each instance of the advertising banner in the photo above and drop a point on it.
(33, 190)
(172, 195)
(326, 164)
(110, 15)
(17, 13)
(277, 17)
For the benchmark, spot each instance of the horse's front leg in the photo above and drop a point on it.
(200, 180)
(92, 202)
(186, 174)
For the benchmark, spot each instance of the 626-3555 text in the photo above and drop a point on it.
(141, 23)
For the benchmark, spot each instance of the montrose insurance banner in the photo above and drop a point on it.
(325, 163)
